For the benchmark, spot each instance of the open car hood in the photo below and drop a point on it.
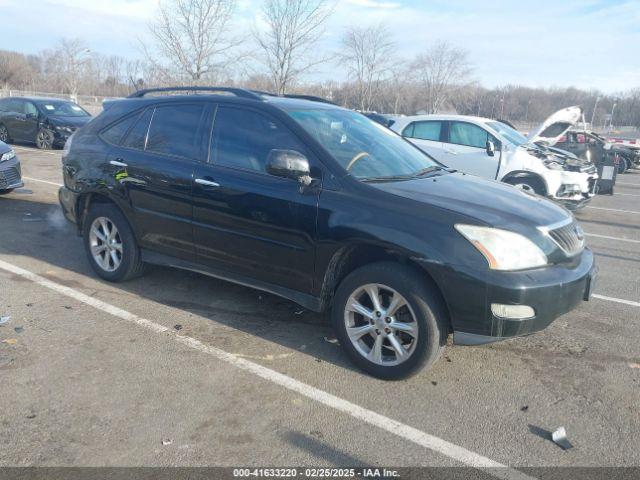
(554, 127)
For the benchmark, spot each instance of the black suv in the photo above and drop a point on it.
(319, 204)
(47, 122)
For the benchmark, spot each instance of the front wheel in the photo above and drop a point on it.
(110, 244)
(44, 139)
(528, 184)
(4, 134)
(389, 320)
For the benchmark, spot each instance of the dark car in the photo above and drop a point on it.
(327, 208)
(47, 122)
(591, 146)
(10, 175)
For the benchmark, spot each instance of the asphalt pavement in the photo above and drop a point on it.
(178, 369)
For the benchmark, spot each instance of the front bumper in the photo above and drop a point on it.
(573, 190)
(10, 174)
(551, 292)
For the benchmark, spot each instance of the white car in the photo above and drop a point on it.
(491, 149)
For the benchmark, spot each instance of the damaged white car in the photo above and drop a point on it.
(492, 149)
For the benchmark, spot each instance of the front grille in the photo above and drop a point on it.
(8, 177)
(570, 238)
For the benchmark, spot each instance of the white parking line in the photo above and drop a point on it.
(612, 209)
(625, 183)
(34, 150)
(617, 300)
(627, 194)
(402, 430)
(621, 239)
(42, 181)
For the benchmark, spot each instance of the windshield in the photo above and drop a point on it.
(364, 148)
(62, 109)
(513, 136)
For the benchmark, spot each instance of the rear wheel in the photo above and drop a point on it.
(528, 184)
(44, 139)
(6, 191)
(389, 320)
(4, 134)
(623, 165)
(110, 244)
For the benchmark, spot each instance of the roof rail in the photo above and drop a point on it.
(239, 92)
(291, 95)
(313, 98)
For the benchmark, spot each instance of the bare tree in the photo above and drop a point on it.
(368, 54)
(67, 63)
(193, 36)
(293, 28)
(442, 72)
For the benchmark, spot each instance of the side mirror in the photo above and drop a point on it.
(491, 148)
(289, 164)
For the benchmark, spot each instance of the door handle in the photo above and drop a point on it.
(116, 163)
(206, 183)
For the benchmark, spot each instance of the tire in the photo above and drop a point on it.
(623, 165)
(6, 192)
(423, 310)
(127, 263)
(528, 184)
(4, 134)
(44, 139)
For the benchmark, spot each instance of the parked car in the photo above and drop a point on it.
(381, 118)
(10, 175)
(321, 205)
(47, 122)
(494, 150)
(589, 145)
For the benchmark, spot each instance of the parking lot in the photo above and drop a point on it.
(179, 369)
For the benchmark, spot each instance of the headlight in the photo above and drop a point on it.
(504, 250)
(64, 129)
(7, 156)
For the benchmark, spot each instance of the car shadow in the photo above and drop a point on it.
(39, 230)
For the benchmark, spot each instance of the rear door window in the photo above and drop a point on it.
(137, 137)
(114, 133)
(176, 130)
(427, 130)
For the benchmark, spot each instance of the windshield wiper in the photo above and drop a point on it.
(390, 178)
(426, 171)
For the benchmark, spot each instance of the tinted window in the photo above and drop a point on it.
(244, 138)
(30, 108)
(16, 106)
(469, 135)
(427, 131)
(137, 137)
(4, 105)
(114, 133)
(176, 130)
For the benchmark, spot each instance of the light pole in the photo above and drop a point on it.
(613, 109)
(593, 114)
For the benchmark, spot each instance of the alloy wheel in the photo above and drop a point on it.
(4, 134)
(44, 140)
(106, 244)
(381, 325)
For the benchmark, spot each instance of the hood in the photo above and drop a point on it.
(4, 148)
(74, 122)
(492, 203)
(554, 127)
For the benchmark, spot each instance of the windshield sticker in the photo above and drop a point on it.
(76, 108)
(49, 107)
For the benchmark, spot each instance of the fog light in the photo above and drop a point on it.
(569, 190)
(519, 312)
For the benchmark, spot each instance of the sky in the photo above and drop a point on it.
(591, 44)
